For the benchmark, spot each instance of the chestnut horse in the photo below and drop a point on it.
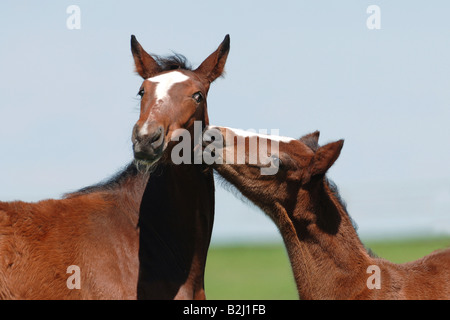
(142, 234)
(327, 257)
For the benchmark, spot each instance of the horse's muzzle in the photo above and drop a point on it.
(148, 146)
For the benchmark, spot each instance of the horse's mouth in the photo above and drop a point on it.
(148, 162)
(147, 152)
(146, 166)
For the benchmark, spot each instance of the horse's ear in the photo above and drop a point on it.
(325, 157)
(146, 66)
(214, 65)
(311, 140)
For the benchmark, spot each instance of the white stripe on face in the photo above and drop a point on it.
(245, 134)
(144, 129)
(166, 81)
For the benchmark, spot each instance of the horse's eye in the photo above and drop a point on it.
(198, 97)
(141, 92)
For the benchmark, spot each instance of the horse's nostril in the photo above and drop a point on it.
(148, 139)
(157, 138)
(135, 135)
(157, 135)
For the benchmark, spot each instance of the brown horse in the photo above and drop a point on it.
(142, 234)
(327, 257)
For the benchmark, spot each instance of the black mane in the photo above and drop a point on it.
(334, 189)
(176, 61)
(110, 184)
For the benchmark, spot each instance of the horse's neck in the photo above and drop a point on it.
(131, 191)
(327, 257)
(175, 221)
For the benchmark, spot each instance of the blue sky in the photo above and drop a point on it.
(68, 97)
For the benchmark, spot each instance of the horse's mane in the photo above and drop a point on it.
(335, 191)
(173, 62)
(129, 171)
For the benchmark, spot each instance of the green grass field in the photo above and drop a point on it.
(262, 272)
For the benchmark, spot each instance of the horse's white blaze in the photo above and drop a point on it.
(144, 130)
(245, 134)
(166, 81)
